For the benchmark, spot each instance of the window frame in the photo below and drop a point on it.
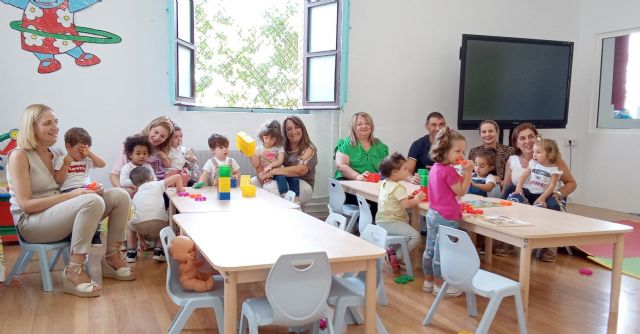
(184, 100)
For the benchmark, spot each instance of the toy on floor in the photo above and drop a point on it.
(403, 279)
(183, 250)
(393, 259)
(585, 271)
(467, 208)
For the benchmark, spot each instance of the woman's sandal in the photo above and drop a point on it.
(122, 274)
(83, 289)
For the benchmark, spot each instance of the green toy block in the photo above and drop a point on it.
(224, 171)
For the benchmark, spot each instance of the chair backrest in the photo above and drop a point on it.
(166, 236)
(337, 220)
(336, 195)
(365, 217)
(290, 196)
(297, 288)
(459, 259)
(377, 236)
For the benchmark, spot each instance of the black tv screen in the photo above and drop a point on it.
(514, 80)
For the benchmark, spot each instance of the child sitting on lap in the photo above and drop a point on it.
(137, 149)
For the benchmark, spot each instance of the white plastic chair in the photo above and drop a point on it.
(460, 266)
(366, 219)
(336, 220)
(189, 300)
(290, 196)
(336, 204)
(348, 292)
(46, 264)
(297, 289)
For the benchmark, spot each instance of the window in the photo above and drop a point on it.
(258, 54)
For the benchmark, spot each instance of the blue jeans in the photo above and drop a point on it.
(431, 255)
(551, 201)
(286, 183)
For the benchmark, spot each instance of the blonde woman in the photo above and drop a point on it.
(360, 153)
(42, 214)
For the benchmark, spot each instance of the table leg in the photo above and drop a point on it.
(172, 211)
(369, 298)
(616, 274)
(488, 250)
(231, 303)
(525, 271)
(415, 218)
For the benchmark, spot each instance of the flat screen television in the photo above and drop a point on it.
(514, 80)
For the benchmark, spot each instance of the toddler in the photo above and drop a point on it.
(219, 146)
(482, 181)
(178, 158)
(445, 185)
(270, 154)
(72, 171)
(137, 149)
(149, 213)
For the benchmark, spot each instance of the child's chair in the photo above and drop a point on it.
(336, 220)
(189, 300)
(297, 289)
(336, 204)
(367, 219)
(460, 266)
(348, 291)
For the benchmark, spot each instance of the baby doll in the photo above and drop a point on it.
(183, 250)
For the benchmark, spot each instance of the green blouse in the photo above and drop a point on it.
(360, 160)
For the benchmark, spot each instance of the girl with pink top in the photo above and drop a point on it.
(445, 185)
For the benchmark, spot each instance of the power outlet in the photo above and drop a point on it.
(568, 141)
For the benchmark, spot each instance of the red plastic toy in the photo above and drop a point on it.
(467, 208)
(585, 271)
(373, 177)
(183, 194)
(92, 186)
(425, 191)
(505, 203)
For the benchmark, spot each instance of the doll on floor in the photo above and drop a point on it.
(183, 250)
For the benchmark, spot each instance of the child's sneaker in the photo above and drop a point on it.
(427, 286)
(451, 291)
(131, 255)
(158, 255)
(96, 241)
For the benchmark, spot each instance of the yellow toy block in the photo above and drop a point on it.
(248, 190)
(224, 185)
(245, 180)
(245, 143)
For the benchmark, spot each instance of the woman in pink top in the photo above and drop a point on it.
(445, 185)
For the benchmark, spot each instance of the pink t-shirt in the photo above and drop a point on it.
(441, 196)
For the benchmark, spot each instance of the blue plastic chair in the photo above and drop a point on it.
(189, 300)
(297, 289)
(347, 292)
(46, 264)
(336, 220)
(336, 204)
(460, 266)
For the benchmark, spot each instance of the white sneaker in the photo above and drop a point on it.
(427, 286)
(451, 291)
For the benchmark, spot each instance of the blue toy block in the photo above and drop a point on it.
(224, 196)
(234, 182)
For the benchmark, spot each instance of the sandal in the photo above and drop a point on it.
(90, 289)
(122, 274)
(501, 252)
(549, 255)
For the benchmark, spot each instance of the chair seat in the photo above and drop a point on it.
(180, 296)
(486, 283)
(396, 239)
(345, 286)
(259, 310)
(349, 209)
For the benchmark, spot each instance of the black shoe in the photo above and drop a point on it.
(158, 255)
(96, 241)
(131, 255)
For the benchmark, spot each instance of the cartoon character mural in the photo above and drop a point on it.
(48, 29)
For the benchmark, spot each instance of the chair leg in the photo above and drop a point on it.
(54, 258)
(489, 314)
(472, 309)
(65, 256)
(330, 326)
(354, 316)
(436, 303)
(352, 222)
(380, 326)
(522, 322)
(406, 257)
(339, 315)
(539, 253)
(180, 319)
(47, 285)
(241, 325)
(18, 267)
(219, 314)
(569, 251)
(382, 295)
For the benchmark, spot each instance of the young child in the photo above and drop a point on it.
(72, 171)
(219, 146)
(482, 181)
(177, 157)
(539, 180)
(137, 149)
(444, 186)
(393, 200)
(270, 154)
(149, 214)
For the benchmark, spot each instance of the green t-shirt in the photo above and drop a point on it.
(360, 160)
(389, 207)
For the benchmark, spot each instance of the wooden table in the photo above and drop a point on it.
(548, 228)
(244, 245)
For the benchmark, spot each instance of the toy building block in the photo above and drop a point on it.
(200, 199)
(199, 185)
(245, 180)
(245, 143)
(234, 182)
(183, 194)
(224, 171)
(224, 196)
(91, 186)
(224, 184)
(373, 177)
(248, 190)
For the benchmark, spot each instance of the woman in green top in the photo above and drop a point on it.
(361, 152)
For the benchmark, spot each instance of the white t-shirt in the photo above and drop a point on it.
(516, 168)
(125, 181)
(212, 167)
(77, 172)
(268, 155)
(540, 177)
(177, 159)
(148, 203)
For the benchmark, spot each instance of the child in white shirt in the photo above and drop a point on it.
(137, 149)
(482, 181)
(219, 146)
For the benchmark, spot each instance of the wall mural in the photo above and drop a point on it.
(47, 29)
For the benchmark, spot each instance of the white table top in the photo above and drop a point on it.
(236, 203)
(254, 239)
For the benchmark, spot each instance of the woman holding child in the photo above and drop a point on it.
(489, 133)
(43, 215)
(300, 160)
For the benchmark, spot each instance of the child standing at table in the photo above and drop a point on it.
(445, 185)
(149, 213)
(137, 149)
(72, 171)
(393, 200)
(219, 146)
(482, 181)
